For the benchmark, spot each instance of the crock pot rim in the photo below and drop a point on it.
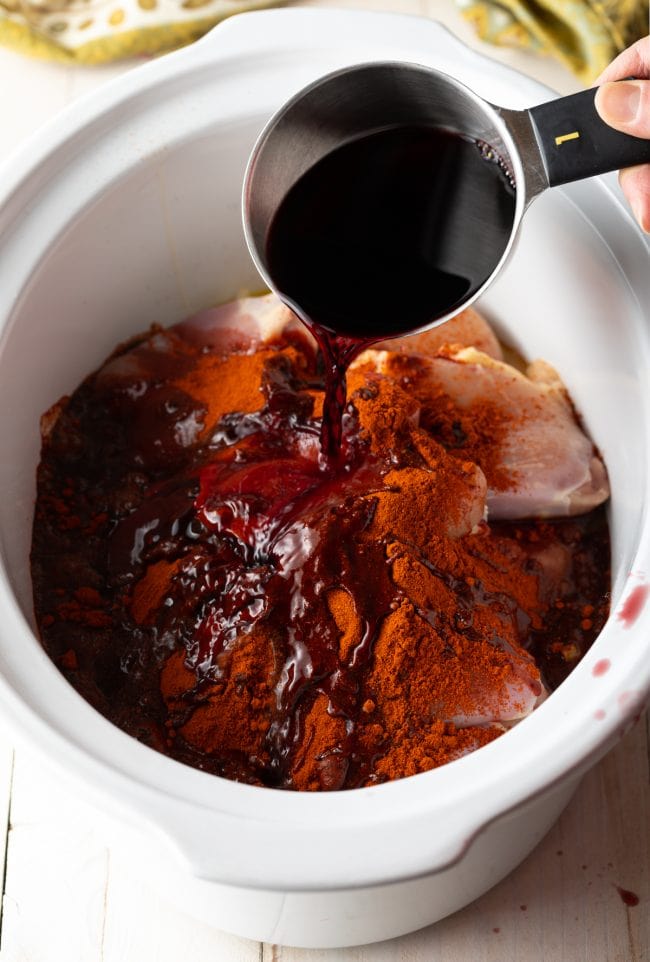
(42, 146)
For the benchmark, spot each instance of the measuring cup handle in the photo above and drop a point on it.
(575, 143)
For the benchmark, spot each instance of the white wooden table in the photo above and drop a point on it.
(66, 898)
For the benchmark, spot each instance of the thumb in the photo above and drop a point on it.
(625, 105)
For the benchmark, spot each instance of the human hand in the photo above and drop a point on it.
(626, 106)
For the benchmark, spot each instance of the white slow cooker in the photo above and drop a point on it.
(126, 210)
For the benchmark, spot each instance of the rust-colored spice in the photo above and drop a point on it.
(222, 385)
(149, 592)
(471, 432)
(85, 607)
(235, 712)
(211, 589)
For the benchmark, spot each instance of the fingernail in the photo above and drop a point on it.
(618, 103)
(640, 212)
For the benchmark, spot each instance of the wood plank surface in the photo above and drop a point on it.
(65, 899)
(56, 875)
(6, 781)
(562, 904)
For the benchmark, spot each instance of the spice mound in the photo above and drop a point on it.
(215, 589)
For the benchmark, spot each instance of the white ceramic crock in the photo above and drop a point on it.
(126, 210)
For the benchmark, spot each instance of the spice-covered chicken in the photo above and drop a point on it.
(210, 586)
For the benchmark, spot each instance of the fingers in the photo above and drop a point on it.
(625, 105)
(635, 184)
(633, 62)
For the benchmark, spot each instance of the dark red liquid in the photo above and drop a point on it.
(381, 237)
(631, 899)
(254, 533)
(240, 512)
(338, 353)
(601, 668)
(633, 605)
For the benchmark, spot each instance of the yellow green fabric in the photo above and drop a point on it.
(97, 31)
(585, 34)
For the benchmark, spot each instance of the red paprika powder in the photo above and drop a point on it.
(210, 587)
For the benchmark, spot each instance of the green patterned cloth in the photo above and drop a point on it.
(585, 34)
(96, 31)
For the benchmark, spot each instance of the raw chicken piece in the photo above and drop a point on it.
(265, 318)
(249, 319)
(538, 463)
(509, 703)
(468, 328)
(238, 327)
(242, 325)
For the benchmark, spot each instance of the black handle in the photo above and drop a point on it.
(576, 143)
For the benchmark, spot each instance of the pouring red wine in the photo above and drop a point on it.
(364, 246)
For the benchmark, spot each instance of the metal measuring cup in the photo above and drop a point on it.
(551, 144)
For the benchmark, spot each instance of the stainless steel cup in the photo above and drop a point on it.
(554, 143)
